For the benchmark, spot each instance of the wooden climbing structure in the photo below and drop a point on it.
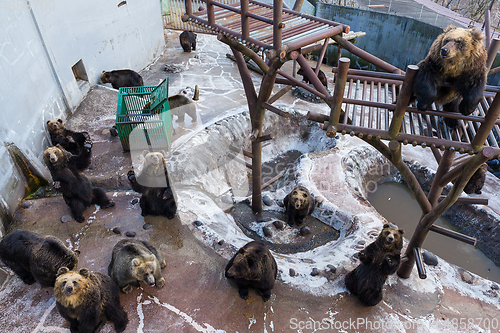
(372, 113)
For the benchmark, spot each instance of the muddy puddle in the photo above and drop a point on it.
(398, 205)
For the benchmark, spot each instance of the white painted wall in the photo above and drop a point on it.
(38, 47)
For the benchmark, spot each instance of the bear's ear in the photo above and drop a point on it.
(59, 120)
(476, 34)
(401, 231)
(48, 121)
(145, 152)
(386, 225)
(450, 28)
(241, 251)
(84, 272)
(162, 152)
(77, 252)
(59, 146)
(135, 262)
(62, 271)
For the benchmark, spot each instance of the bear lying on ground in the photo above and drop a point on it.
(457, 57)
(87, 300)
(134, 261)
(378, 260)
(181, 105)
(122, 78)
(188, 41)
(75, 187)
(321, 76)
(153, 183)
(253, 266)
(298, 204)
(78, 144)
(36, 258)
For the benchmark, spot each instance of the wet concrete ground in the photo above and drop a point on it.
(196, 296)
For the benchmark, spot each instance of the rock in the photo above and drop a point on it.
(134, 201)
(361, 242)
(197, 223)
(430, 259)
(66, 218)
(227, 199)
(221, 242)
(267, 200)
(130, 234)
(113, 131)
(292, 272)
(304, 231)
(315, 272)
(331, 268)
(267, 232)
(494, 286)
(146, 226)
(279, 225)
(307, 261)
(264, 219)
(171, 69)
(26, 204)
(466, 276)
(117, 230)
(105, 131)
(319, 199)
(280, 203)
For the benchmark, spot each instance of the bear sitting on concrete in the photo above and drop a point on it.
(134, 261)
(36, 258)
(153, 182)
(181, 105)
(457, 57)
(253, 266)
(78, 144)
(321, 76)
(122, 78)
(298, 204)
(188, 41)
(87, 300)
(75, 187)
(378, 260)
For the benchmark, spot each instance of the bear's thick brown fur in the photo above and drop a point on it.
(378, 260)
(188, 40)
(298, 204)
(134, 261)
(457, 57)
(180, 105)
(253, 266)
(34, 257)
(476, 182)
(87, 299)
(122, 78)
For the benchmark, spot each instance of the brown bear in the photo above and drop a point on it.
(188, 41)
(34, 257)
(378, 260)
(134, 261)
(181, 105)
(476, 182)
(298, 204)
(321, 76)
(153, 183)
(78, 144)
(122, 78)
(74, 186)
(253, 266)
(87, 300)
(457, 57)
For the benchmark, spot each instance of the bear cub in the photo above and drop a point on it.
(134, 261)
(457, 57)
(253, 266)
(298, 204)
(74, 186)
(321, 76)
(34, 257)
(77, 143)
(378, 260)
(188, 41)
(122, 78)
(153, 183)
(87, 300)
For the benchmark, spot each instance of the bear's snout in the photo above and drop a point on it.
(68, 290)
(53, 158)
(444, 52)
(390, 239)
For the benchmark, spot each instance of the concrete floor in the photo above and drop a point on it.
(196, 296)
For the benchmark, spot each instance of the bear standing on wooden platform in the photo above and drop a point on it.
(457, 57)
(253, 266)
(298, 204)
(378, 260)
(34, 257)
(87, 300)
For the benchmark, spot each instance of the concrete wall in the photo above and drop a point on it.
(38, 48)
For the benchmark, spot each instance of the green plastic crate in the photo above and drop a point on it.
(143, 118)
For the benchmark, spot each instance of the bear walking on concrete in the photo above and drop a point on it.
(321, 76)
(34, 257)
(153, 183)
(78, 144)
(134, 261)
(457, 57)
(253, 266)
(87, 300)
(378, 260)
(122, 78)
(188, 41)
(181, 105)
(75, 187)
(298, 204)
